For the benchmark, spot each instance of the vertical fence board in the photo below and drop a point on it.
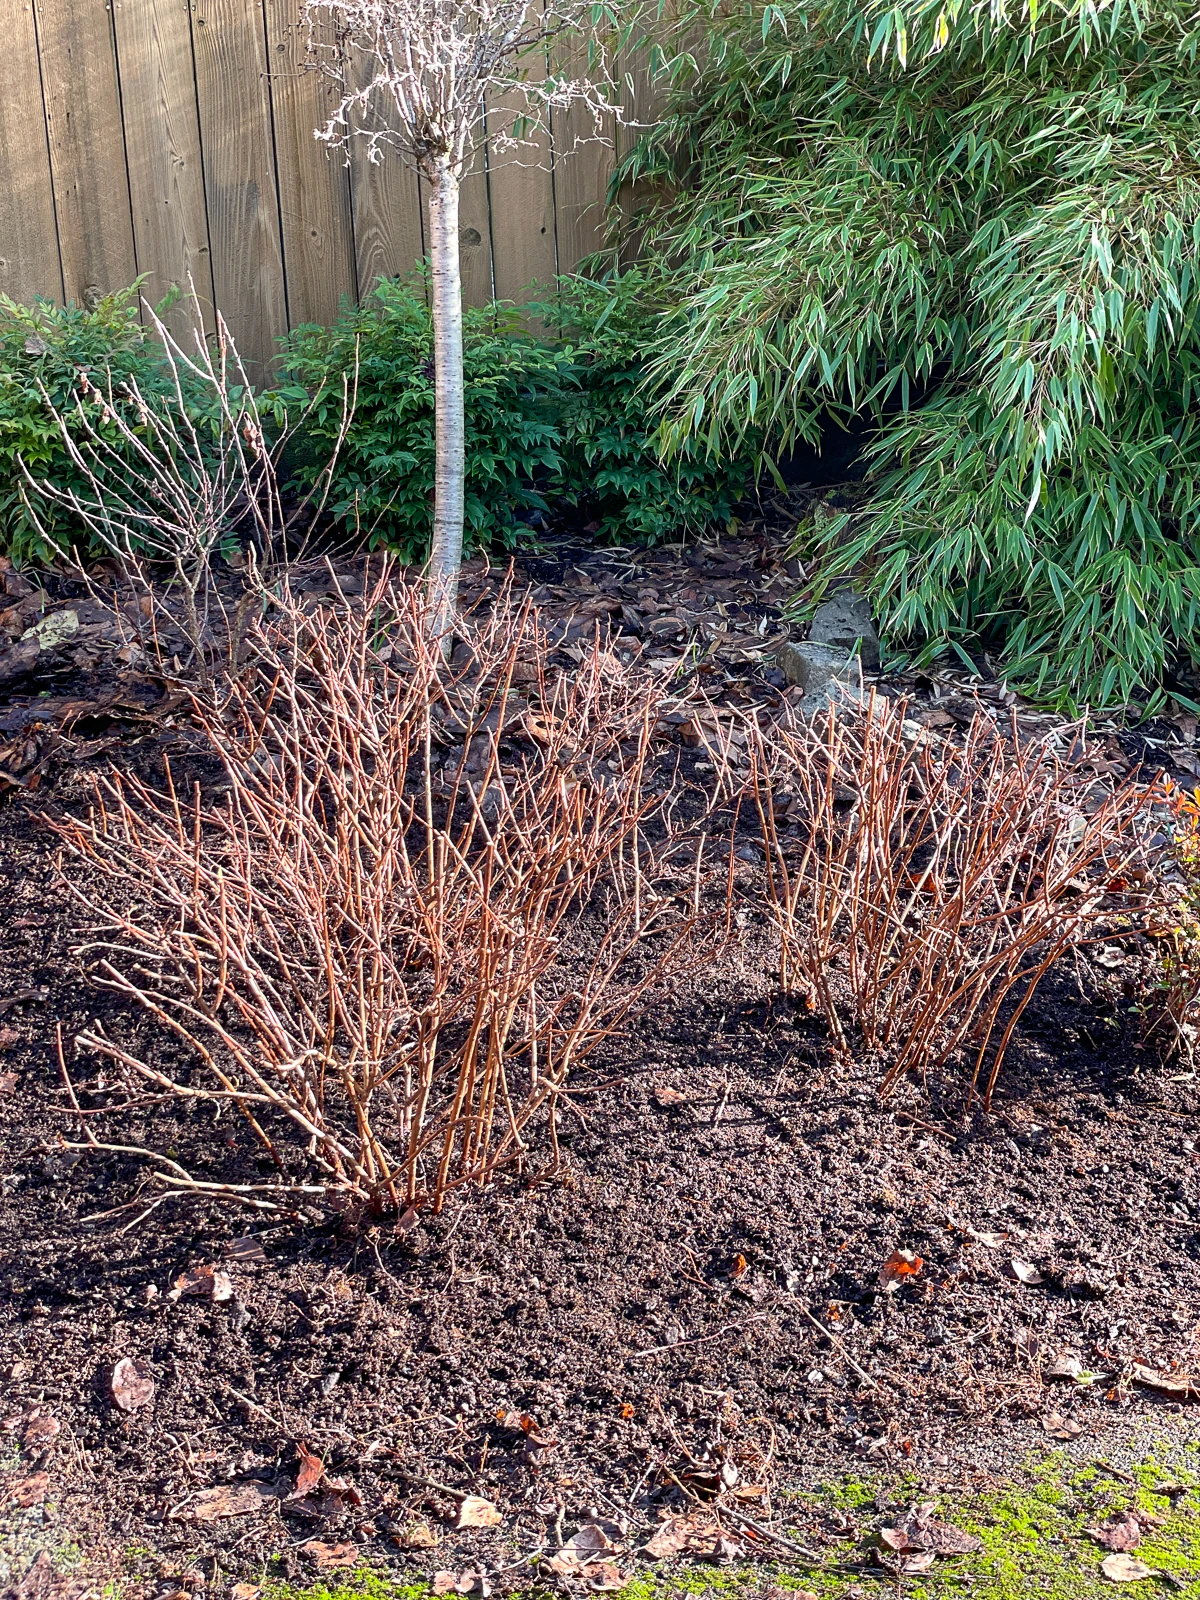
(162, 139)
(314, 185)
(87, 147)
(521, 197)
(389, 234)
(29, 263)
(239, 175)
(475, 233)
(583, 164)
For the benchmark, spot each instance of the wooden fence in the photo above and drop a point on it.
(175, 138)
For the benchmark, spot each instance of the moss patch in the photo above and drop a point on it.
(1033, 1531)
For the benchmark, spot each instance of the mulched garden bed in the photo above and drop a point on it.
(691, 1308)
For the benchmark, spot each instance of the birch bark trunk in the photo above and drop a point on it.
(445, 556)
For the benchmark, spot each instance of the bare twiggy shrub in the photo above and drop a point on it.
(1171, 1012)
(931, 885)
(165, 483)
(424, 898)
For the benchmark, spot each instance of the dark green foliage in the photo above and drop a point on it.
(982, 228)
(383, 485)
(44, 347)
(612, 465)
(561, 422)
(565, 423)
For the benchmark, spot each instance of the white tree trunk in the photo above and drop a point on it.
(445, 556)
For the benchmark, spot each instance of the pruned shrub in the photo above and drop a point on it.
(930, 885)
(422, 899)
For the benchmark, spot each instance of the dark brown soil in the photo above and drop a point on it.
(700, 1283)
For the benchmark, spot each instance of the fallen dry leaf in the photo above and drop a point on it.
(27, 1492)
(1177, 1384)
(330, 1555)
(665, 1098)
(310, 1473)
(418, 1536)
(224, 1500)
(463, 1582)
(245, 1249)
(1121, 1568)
(476, 1513)
(8, 1082)
(8, 1038)
(899, 1265)
(245, 1591)
(919, 1561)
(131, 1384)
(39, 1430)
(1060, 1427)
(1121, 1531)
(588, 1540)
(202, 1282)
(992, 1241)
(693, 1532)
(919, 1529)
(1065, 1366)
(602, 1577)
(1025, 1272)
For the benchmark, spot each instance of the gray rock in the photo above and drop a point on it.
(821, 672)
(844, 622)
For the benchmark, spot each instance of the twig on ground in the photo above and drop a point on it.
(829, 1334)
(703, 1338)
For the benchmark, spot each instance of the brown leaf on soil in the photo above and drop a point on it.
(1179, 1385)
(1025, 1272)
(207, 1282)
(1121, 1568)
(38, 1432)
(309, 1476)
(27, 1492)
(1121, 1531)
(8, 1082)
(918, 1561)
(8, 1038)
(417, 1536)
(245, 1249)
(330, 1555)
(919, 1529)
(476, 1513)
(665, 1098)
(224, 1500)
(899, 1265)
(1060, 1427)
(588, 1540)
(1065, 1366)
(692, 1532)
(463, 1582)
(245, 1591)
(131, 1384)
(602, 1577)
